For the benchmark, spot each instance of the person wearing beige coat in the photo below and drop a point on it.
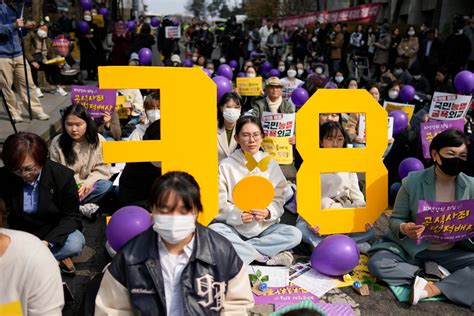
(408, 48)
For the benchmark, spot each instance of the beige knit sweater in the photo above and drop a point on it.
(89, 166)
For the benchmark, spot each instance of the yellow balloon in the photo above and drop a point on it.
(253, 192)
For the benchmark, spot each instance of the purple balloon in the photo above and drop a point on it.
(273, 73)
(400, 121)
(125, 224)
(331, 86)
(299, 96)
(224, 86)
(225, 71)
(131, 25)
(175, 22)
(241, 75)
(407, 93)
(408, 165)
(145, 56)
(233, 64)
(464, 82)
(208, 72)
(154, 21)
(86, 4)
(83, 27)
(335, 255)
(266, 66)
(104, 12)
(188, 63)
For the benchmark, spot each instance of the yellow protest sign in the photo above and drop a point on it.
(318, 160)
(279, 149)
(181, 112)
(393, 106)
(249, 86)
(253, 192)
(122, 111)
(11, 309)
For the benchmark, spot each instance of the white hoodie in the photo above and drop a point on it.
(231, 171)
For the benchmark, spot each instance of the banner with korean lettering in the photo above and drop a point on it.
(278, 124)
(96, 101)
(360, 13)
(446, 221)
(249, 86)
(429, 130)
(172, 32)
(448, 106)
(279, 148)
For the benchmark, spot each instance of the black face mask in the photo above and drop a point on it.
(452, 166)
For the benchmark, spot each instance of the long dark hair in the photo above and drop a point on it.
(66, 142)
(224, 99)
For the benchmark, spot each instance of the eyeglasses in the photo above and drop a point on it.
(26, 170)
(247, 136)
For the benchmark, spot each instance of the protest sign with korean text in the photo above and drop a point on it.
(361, 127)
(393, 106)
(172, 32)
(448, 106)
(96, 101)
(278, 124)
(429, 130)
(249, 86)
(279, 148)
(446, 221)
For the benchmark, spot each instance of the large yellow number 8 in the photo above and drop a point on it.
(318, 160)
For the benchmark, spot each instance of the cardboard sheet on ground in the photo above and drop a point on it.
(446, 221)
(429, 130)
(407, 108)
(448, 106)
(249, 86)
(279, 148)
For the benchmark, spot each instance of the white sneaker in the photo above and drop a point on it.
(283, 258)
(39, 93)
(59, 90)
(41, 116)
(364, 247)
(418, 290)
(88, 209)
(17, 119)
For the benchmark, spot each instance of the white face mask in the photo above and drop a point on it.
(417, 77)
(87, 18)
(314, 39)
(393, 94)
(411, 33)
(251, 75)
(397, 71)
(339, 79)
(300, 71)
(319, 70)
(281, 68)
(42, 34)
(291, 73)
(289, 58)
(222, 60)
(211, 71)
(204, 28)
(231, 115)
(174, 228)
(194, 58)
(153, 115)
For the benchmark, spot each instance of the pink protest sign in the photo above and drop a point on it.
(432, 128)
(446, 221)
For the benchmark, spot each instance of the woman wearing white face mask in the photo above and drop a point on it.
(178, 261)
(393, 91)
(228, 112)
(339, 79)
(38, 49)
(152, 114)
(290, 82)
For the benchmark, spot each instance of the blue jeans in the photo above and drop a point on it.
(102, 190)
(72, 247)
(311, 238)
(273, 240)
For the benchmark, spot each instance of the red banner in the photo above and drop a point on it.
(360, 13)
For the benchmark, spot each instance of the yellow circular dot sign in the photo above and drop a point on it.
(253, 192)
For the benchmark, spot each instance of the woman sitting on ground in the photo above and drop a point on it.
(398, 257)
(256, 234)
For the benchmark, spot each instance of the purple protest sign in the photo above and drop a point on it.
(96, 101)
(432, 128)
(285, 296)
(446, 221)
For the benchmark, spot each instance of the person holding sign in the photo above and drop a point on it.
(177, 266)
(338, 190)
(399, 256)
(251, 220)
(228, 112)
(79, 148)
(273, 101)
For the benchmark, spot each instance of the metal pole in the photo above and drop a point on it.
(24, 59)
(8, 111)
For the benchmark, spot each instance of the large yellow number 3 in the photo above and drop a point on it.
(318, 160)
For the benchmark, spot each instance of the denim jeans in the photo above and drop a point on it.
(72, 247)
(311, 238)
(273, 240)
(102, 190)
